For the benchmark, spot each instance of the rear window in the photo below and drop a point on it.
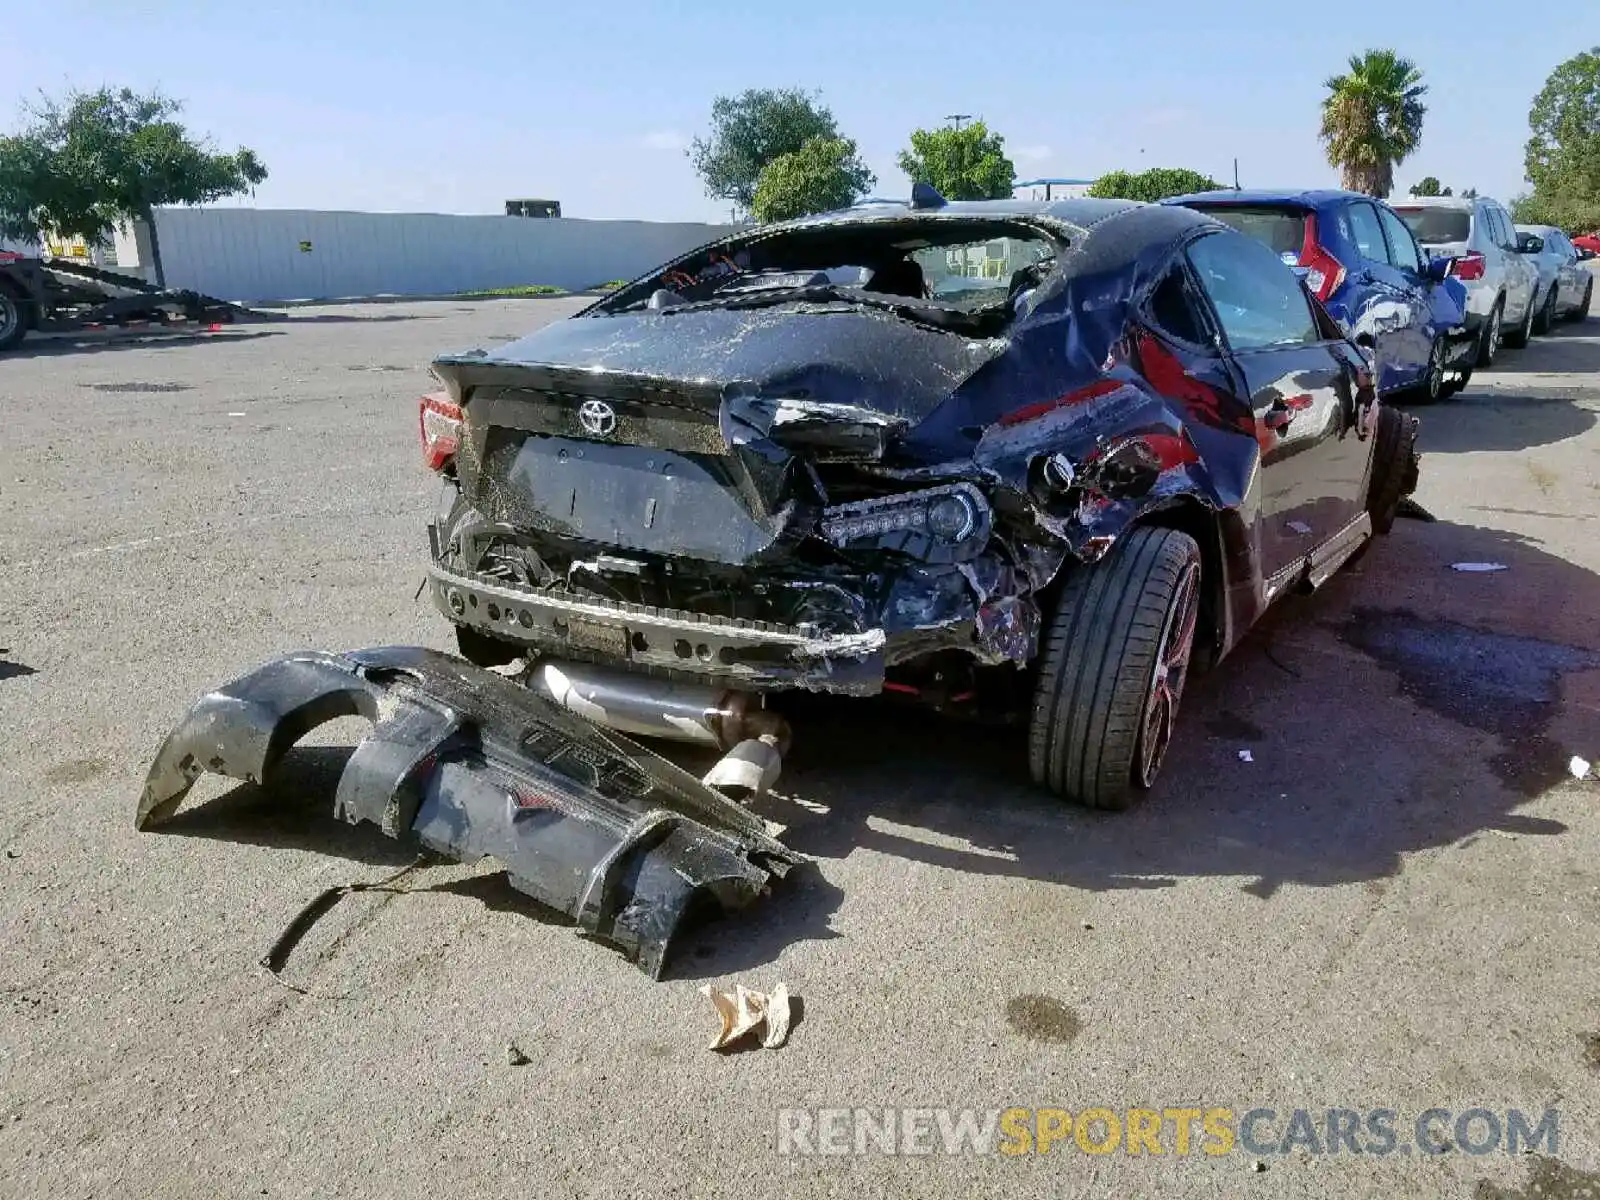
(1431, 226)
(969, 273)
(1282, 229)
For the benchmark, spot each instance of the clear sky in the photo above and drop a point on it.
(456, 106)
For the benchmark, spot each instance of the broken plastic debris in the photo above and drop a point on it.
(1246, 756)
(1477, 568)
(1299, 527)
(742, 1010)
(1579, 767)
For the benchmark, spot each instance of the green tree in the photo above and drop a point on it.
(1155, 184)
(961, 164)
(1372, 119)
(824, 174)
(751, 130)
(1429, 186)
(1562, 158)
(84, 164)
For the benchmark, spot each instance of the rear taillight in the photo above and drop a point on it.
(1468, 266)
(441, 430)
(1324, 272)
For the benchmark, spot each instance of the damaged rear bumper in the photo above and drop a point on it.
(959, 607)
(750, 654)
(471, 765)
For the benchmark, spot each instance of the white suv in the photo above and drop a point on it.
(1501, 283)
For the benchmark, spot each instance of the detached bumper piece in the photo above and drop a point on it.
(471, 765)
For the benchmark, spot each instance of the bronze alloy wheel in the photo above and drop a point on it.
(1170, 673)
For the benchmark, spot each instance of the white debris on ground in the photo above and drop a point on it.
(742, 1011)
(1246, 756)
(1477, 568)
(1579, 767)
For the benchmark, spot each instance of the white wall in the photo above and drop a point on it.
(253, 254)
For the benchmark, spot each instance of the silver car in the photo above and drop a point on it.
(1501, 284)
(1565, 285)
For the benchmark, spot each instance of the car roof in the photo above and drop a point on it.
(1308, 197)
(1105, 235)
(1082, 211)
(1537, 229)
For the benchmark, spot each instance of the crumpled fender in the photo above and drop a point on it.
(471, 765)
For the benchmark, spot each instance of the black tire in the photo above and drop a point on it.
(1489, 339)
(482, 650)
(1581, 313)
(1102, 714)
(13, 320)
(1394, 467)
(1432, 388)
(1547, 312)
(1518, 338)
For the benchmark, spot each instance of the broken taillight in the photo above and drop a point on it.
(1324, 272)
(441, 429)
(1468, 266)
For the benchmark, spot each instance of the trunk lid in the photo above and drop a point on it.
(633, 431)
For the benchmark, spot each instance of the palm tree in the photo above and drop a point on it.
(1372, 119)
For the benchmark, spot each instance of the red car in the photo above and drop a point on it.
(1588, 241)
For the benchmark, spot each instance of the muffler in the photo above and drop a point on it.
(754, 740)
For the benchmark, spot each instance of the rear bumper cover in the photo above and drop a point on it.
(470, 765)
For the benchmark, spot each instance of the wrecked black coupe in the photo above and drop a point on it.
(1037, 456)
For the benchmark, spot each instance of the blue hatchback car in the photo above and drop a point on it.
(1362, 263)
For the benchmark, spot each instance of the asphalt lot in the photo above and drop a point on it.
(1393, 906)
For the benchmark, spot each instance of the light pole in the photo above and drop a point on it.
(957, 118)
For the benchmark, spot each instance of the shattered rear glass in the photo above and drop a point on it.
(926, 267)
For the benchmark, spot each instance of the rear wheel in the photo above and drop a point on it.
(1519, 338)
(1394, 467)
(1112, 670)
(1432, 386)
(1547, 312)
(13, 320)
(1489, 339)
(1582, 311)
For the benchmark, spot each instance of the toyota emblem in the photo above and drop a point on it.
(597, 417)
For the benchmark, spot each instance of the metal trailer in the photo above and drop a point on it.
(57, 295)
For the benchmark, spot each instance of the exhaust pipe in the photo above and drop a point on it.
(645, 706)
(753, 739)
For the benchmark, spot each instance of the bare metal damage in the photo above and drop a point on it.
(471, 765)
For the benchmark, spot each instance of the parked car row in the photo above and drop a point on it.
(1434, 286)
(1567, 287)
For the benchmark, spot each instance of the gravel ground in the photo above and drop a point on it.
(1393, 906)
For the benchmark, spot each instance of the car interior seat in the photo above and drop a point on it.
(902, 277)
